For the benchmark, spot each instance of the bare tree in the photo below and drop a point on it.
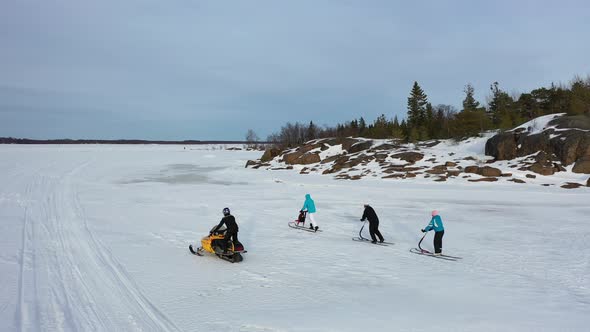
(252, 139)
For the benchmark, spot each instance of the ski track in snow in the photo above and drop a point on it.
(88, 247)
(81, 285)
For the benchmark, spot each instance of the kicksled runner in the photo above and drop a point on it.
(424, 252)
(213, 244)
(299, 223)
(360, 238)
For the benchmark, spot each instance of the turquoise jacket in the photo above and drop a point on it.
(436, 224)
(308, 205)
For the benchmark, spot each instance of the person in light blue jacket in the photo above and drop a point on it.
(309, 206)
(436, 224)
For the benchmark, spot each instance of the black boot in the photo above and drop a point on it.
(316, 229)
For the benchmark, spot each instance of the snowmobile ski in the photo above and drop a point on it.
(293, 224)
(359, 239)
(428, 253)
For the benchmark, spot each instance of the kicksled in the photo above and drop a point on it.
(299, 223)
(424, 252)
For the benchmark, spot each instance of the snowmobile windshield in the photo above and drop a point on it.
(221, 229)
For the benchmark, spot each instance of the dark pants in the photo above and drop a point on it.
(374, 230)
(229, 235)
(438, 241)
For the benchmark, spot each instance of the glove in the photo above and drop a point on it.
(362, 220)
(423, 231)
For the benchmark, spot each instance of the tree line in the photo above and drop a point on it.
(425, 121)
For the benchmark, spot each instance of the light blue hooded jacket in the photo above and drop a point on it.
(308, 205)
(436, 224)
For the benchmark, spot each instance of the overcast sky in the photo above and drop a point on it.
(188, 69)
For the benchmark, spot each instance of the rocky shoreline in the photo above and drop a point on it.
(523, 155)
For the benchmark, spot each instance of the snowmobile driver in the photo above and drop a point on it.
(373, 223)
(232, 228)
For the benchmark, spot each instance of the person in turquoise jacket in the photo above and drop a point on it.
(309, 206)
(436, 224)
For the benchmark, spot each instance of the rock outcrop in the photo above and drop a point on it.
(568, 145)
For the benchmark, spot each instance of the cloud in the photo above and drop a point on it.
(258, 64)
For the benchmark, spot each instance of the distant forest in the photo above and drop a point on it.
(425, 121)
(11, 140)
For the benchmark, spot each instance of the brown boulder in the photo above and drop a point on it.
(490, 179)
(290, 158)
(542, 169)
(529, 144)
(410, 157)
(251, 163)
(453, 173)
(269, 154)
(506, 175)
(436, 171)
(489, 171)
(472, 169)
(571, 185)
(582, 165)
(531, 176)
(502, 146)
(517, 180)
(360, 146)
(330, 159)
(411, 169)
(308, 158)
(571, 145)
(412, 175)
(386, 146)
(392, 176)
(441, 179)
(309, 147)
(450, 164)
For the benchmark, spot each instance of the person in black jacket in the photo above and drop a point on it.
(373, 223)
(232, 228)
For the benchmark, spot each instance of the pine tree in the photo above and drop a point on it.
(362, 127)
(500, 108)
(417, 106)
(311, 132)
(469, 103)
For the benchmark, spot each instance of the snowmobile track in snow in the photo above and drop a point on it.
(68, 279)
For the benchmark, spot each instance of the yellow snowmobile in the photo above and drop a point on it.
(212, 244)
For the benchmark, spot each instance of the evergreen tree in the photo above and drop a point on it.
(500, 108)
(580, 97)
(417, 106)
(311, 132)
(469, 103)
(362, 127)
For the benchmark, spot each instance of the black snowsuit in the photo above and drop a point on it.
(230, 233)
(373, 223)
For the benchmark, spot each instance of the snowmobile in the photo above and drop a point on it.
(212, 244)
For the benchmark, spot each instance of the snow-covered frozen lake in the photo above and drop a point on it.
(94, 238)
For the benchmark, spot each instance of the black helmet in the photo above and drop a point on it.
(226, 211)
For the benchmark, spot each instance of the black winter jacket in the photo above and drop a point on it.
(370, 214)
(230, 223)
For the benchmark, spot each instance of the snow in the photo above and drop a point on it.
(95, 238)
(538, 124)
